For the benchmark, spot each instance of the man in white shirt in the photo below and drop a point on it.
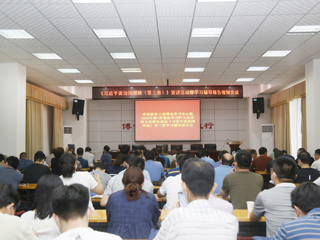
(275, 203)
(316, 163)
(89, 156)
(71, 214)
(115, 184)
(12, 227)
(198, 220)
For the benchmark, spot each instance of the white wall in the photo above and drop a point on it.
(47, 128)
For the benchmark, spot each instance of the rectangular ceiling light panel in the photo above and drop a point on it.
(47, 55)
(110, 33)
(206, 32)
(129, 55)
(199, 54)
(276, 53)
(137, 81)
(15, 34)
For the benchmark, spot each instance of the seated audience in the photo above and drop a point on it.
(201, 155)
(119, 165)
(155, 170)
(166, 154)
(166, 159)
(218, 163)
(90, 157)
(70, 176)
(220, 172)
(305, 201)
(55, 162)
(9, 174)
(125, 149)
(173, 164)
(253, 153)
(49, 157)
(35, 171)
(235, 152)
(260, 163)
(285, 154)
(275, 203)
(277, 154)
(158, 158)
(316, 163)
(24, 162)
(133, 224)
(176, 170)
(172, 186)
(2, 160)
(306, 173)
(84, 163)
(272, 154)
(206, 154)
(115, 184)
(106, 156)
(40, 218)
(198, 220)
(71, 213)
(100, 168)
(12, 227)
(242, 185)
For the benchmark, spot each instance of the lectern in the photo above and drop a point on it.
(233, 145)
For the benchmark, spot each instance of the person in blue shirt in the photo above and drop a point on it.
(167, 162)
(84, 163)
(24, 162)
(218, 163)
(154, 168)
(225, 168)
(106, 156)
(2, 160)
(200, 154)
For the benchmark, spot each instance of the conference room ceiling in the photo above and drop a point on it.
(159, 33)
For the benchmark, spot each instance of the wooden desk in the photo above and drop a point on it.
(240, 214)
(84, 169)
(156, 187)
(98, 216)
(263, 172)
(98, 199)
(28, 186)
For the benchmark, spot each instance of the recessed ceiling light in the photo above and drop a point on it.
(130, 69)
(47, 55)
(217, 0)
(244, 79)
(15, 33)
(129, 55)
(137, 81)
(305, 29)
(199, 54)
(257, 69)
(68, 70)
(110, 33)
(194, 69)
(191, 80)
(206, 32)
(91, 1)
(299, 33)
(276, 53)
(83, 81)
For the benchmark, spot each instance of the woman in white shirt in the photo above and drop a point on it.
(40, 219)
(70, 176)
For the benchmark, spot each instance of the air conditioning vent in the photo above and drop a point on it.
(67, 130)
(267, 128)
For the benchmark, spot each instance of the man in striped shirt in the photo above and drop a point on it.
(198, 220)
(305, 200)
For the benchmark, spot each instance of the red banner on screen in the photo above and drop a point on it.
(176, 120)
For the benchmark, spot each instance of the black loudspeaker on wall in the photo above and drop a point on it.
(77, 107)
(258, 106)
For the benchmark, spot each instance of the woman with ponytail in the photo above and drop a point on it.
(70, 176)
(132, 212)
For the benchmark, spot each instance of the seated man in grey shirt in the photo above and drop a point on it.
(275, 203)
(115, 184)
(100, 168)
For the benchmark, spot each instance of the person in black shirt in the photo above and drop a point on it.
(306, 173)
(34, 172)
(55, 162)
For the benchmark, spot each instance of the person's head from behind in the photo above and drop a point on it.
(132, 181)
(221, 153)
(100, 166)
(253, 153)
(80, 152)
(23, 155)
(227, 159)
(206, 152)
(165, 149)
(136, 162)
(304, 158)
(42, 199)
(124, 149)
(120, 160)
(70, 204)
(58, 152)
(197, 179)
(237, 149)
(68, 165)
(160, 150)
(2, 159)
(106, 149)
(183, 159)
(300, 150)
(150, 155)
(13, 162)
(317, 154)
(305, 197)
(156, 151)
(275, 149)
(200, 154)
(88, 149)
(283, 170)
(277, 153)
(284, 152)
(9, 198)
(263, 151)
(243, 160)
(39, 157)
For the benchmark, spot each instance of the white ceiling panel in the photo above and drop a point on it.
(294, 7)
(203, 41)
(142, 33)
(253, 50)
(174, 41)
(97, 10)
(143, 22)
(133, 10)
(144, 41)
(175, 9)
(214, 9)
(257, 8)
(16, 10)
(104, 23)
(54, 10)
(209, 22)
(227, 50)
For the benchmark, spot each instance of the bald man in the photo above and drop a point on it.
(225, 168)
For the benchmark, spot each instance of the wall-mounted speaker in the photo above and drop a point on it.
(258, 105)
(77, 107)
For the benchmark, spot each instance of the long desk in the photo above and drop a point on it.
(27, 187)
(98, 199)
